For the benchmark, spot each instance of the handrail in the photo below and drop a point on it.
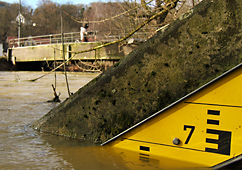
(71, 37)
(46, 39)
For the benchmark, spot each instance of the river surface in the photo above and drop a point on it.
(23, 102)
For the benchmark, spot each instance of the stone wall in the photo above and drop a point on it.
(188, 53)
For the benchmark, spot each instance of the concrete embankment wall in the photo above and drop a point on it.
(193, 50)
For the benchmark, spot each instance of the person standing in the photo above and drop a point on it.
(83, 33)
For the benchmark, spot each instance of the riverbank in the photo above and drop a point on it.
(5, 65)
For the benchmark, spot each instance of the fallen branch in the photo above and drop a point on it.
(56, 98)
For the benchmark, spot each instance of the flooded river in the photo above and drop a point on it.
(21, 147)
(22, 103)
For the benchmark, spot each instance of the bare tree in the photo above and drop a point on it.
(122, 17)
(107, 18)
(47, 18)
(75, 11)
(4, 24)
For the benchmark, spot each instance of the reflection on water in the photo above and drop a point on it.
(23, 102)
(82, 155)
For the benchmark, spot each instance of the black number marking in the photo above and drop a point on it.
(191, 132)
(224, 137)
(144, 148)
(223, 141)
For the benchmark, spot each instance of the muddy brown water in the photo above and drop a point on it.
(21, 147)
(22, 103)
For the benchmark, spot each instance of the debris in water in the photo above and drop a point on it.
(56, 98)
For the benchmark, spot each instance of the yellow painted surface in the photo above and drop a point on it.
(140, 161)
(208, 125)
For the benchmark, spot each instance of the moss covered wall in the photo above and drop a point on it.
(188, 53)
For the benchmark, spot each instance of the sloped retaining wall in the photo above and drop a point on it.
(193, 50)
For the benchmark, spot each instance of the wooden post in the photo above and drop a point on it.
(63, 54)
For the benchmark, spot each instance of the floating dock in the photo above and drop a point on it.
(53, 52)
(47, 49)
